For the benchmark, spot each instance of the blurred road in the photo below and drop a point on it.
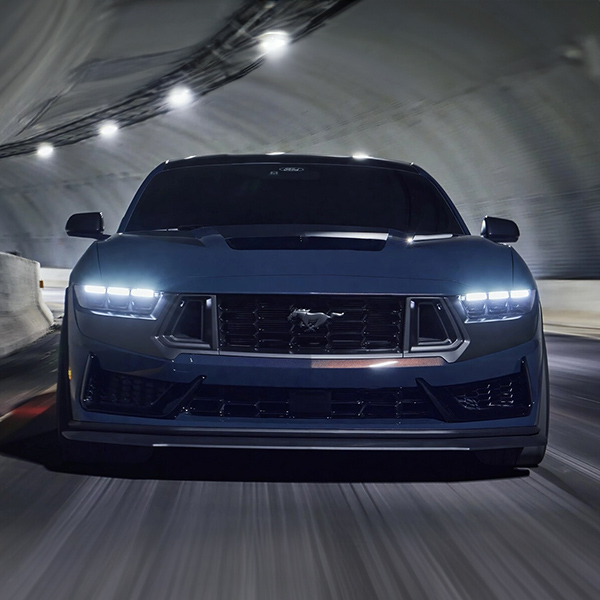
(255, 525)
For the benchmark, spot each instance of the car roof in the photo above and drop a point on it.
(230, 159)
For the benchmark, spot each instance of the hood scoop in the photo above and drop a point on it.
(361, 241)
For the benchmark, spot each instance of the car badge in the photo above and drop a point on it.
(310, 320)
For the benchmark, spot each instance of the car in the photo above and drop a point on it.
(301, 302)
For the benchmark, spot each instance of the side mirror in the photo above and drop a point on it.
(86, 225)
(499, 230)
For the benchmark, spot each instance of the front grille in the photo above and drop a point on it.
(504, 397)
(310, 324)
(282, 403)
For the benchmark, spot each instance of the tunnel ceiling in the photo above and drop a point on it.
(498, 100)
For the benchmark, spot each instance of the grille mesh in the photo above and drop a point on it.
(275, 324)
(118, 389)
(504, 394)
(112, 392)
(281, 403)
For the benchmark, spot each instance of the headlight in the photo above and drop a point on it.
(118, 301)
(498, 305)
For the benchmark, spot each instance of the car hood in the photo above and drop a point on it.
(290, 260)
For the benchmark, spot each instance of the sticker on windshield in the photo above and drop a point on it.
(291, 172)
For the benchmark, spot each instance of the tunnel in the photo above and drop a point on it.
(497, 99)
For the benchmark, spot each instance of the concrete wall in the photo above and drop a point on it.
(571, 307)
(23, 315)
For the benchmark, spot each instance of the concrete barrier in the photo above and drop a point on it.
(23, 315)
(571, 307)
(54, 278)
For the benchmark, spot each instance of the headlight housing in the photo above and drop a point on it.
(499, 305)
(118, 301)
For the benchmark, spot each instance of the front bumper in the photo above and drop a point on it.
(339, 439)
(304, 373)
(377, 434)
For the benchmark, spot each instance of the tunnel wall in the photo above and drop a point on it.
(571, 307)
(23, 315)
(498, 100)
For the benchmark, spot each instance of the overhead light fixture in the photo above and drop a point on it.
(273, 41)
(360, 156)
(45, 150)
(180, 96)
(108, 129)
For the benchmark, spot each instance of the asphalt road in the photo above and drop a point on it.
(311, 526)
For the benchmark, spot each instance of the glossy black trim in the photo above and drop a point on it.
(508, 437)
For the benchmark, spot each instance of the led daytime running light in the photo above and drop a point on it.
(117, 301)
(117, 291)
(94, 289)
(141, 293)
(476, 297)
(498, 305)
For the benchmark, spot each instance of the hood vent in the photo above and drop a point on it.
(300, 242)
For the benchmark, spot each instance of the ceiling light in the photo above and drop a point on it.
(45, 150)
(108, 129)
(360, 156)
(180, 96)
(273, 41)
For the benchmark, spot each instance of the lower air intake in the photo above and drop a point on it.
(120, 393)
(502, 397)
(282, 403)
(111, 392)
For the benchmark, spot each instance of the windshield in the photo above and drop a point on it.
(302, 194)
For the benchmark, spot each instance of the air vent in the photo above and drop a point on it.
(192, 323)
(305, 243)
(431, 326)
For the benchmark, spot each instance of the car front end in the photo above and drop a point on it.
(305, 335)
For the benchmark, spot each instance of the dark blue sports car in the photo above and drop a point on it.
(301, 302)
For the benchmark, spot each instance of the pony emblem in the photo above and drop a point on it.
(312, 321)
